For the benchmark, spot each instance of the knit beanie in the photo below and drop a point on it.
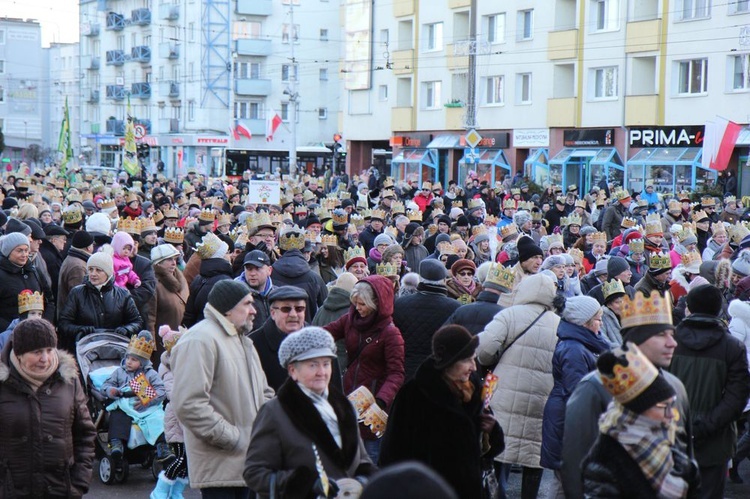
(527, 249)
(15, 225)
(580, 309)
(741, 265)
(442, 238)
(82, 240)
(383, 239)
(308, 343)
(33, 334)
(346, 281)
(11, 241)
(451, 344)
(450, 260)
(462, 221)
(99, 222)
(121, 240)
(705, 299)
(553, 261)
(101, 260)
(616, 265)
(520, 218)
(588, 229)
(226, 294)
(431, 270)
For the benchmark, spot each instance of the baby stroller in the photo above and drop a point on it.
(98, 355)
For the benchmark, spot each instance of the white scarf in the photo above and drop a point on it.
(326, 412)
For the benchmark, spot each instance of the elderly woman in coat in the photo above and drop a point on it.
(46, 435)
(306, 423)
(168, 303)
(520, 341)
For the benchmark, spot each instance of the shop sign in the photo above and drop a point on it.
(212, 140)
(403, 141)
(666, 136)
(531, 137)
(489, 140)
(589, 137)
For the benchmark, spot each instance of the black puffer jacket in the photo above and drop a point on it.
(47, 437)
(109, 309)
(15, 279)
(293, 270)
(418, 316)
(143, 294)
(212, 271)
(54, 259)
(475, 316)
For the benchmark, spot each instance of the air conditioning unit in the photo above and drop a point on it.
(120, 80)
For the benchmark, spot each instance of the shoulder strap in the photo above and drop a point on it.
(525, 330)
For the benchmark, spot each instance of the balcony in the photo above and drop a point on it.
(89, 29)
(90, 62)
(93, 97)
(253, 86)
(403, 8)
(146, 124)
(115, 21)
(643, 36)
(641, 110)
(169, 125)
(454, 118)
(169, 12)
(562, 45)
(169, 50)
(403, 62)
(455, 61)
(140, 53)
(141, 90)
(254, 46)
(169, 89)
(141, 17)
(116, 92)
(115, 57)
(254, 7)
(457, 4)
(116, 127)
(401, 118)
(562, 112)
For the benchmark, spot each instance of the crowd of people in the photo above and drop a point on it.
(376, 338)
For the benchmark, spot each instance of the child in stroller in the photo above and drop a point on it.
(137, 392)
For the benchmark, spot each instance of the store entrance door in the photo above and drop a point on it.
(575, 173)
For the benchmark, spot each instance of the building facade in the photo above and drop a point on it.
(61, 63)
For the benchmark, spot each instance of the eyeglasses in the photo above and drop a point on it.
(285, 310)
(668, 408)
(466, 273)
(265, 236)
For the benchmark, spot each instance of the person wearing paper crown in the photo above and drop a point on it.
(214, 267)
(635, 454)
(136, 364)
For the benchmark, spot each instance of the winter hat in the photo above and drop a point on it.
(308, 343)
(141, 347)
(432, 271)
(632, 379)
(226, 294)
(346, 281)
(616, 265)
(462, 221)
(527, 249)
(697, 281)
(82, 240)
(451, 344)
(286, 293)
(383, 239)
(450, 260)
(11, 241)
(463, 264)
(553, 261)
(445, 219)
(121, 240)
(585, 231)
(408, 479)
(705, 299)
(163, 252)
(33, 334)
(454, 213)
(442, 238)
(169, 337)
(101, 260)
(480, 238)
(15, 225)
(99, 222)
(48, 231)
(580, 309)
(568, 258)
(741, 265)
(520, 218)
(601, 267)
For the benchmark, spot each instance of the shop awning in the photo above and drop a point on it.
(487, 157)
(445, 142)
(744, 138)
(409, 165)
(416, 156)
(603, 156)
(690, 156)
(538, 157)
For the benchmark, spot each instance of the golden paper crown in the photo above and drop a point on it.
(301, 210)
(28, 301)
(560, 199)
(642, 311)
(489, 219)
(73, 197)
(574, 219)
(207, 215)
(171, 213)
(141, 347)
(366, 213)
(208, 246)
(130, 225)
(653, 228)
(224, 219)
(738, 232)
(108, 204)
(637, 245)
(22, 184)
(698, 215)
(628, 222)
(386, 269)
(387, 193)
(730, 199)
(622, 195)
(345, 195)
(357, 220)
(479, 229)
(285, 200)
(576, 254)
(330, 204)
(217, 204)
(292, 238)
(475, 203)
(599, 237)
(329, 240)
(235, 234)
(174, 235)
(355, 252)
(297, 189)
(391, 231)
(256, 220)
(158, 216)
(708, 201)
(555, 240)
(612, 287)
(508, 204)
(564, 221)
(674, 205)
(414, 215)
(148, 224)
(132, 196)
(72, 215)
(500, 276)
(659, 261)
(580, 203)
(322, 213)
(397, 207)
(536, 216)
(718, 228)
(684, 234)
(631, 375)
(340, 217)
(308, 196)
(87, 196)
(691, 258)
(379, 214)
(446, 248)
(457, 204)
(515, 191)
(388, 183)
(508, 230)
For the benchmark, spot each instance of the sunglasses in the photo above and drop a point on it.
(285, 310)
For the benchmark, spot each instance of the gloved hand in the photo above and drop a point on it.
(262, 247)
(685, 468)
(121, 331)
(114, 393)
(86, 330)
(333, 489)
(381, 403)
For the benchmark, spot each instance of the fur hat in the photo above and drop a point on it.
(463, 264)
(705, 299)
(520, 218)
(33, 334)
(451, 344)
(553, 261)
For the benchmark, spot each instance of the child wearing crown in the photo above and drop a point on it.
(124, 246)
(128, 402)
(30, 305)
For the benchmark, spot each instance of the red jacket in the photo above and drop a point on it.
(379, 365)
(423, 201)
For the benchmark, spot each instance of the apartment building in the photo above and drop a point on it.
(570, 91)
(193, 69)
(61, 64)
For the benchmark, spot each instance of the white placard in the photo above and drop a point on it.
(531, 137)
(264, 192)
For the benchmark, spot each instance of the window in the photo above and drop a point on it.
(285, 112)
(384, 36)
(285, 33)
(245, 70)
(286, 70)
(495, 28)
(740, 66)
(121, 42)
(323, 74)
(494, 90)
(695, 9)
(191, 32)
(605, 83)
(383, 93)
(693, 77)
(323, 35)
(431, 91)
(322, 113)
(247, 30)
(248, 110)
(607, 15)
(525, 29)
(254, 70)
(176, 111)
(459, 87)
(191, 110)
(739, 6)
(191, 72)
(523, 88)
(434, 36)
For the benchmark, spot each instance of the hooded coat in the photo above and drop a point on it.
(337, 304)
(524, 364)
(293, 270)
(46, 437)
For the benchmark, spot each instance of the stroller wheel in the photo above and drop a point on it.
(108, 474)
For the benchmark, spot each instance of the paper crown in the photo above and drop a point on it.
(479, 229)
(691, 258)
(475, 203)
(329, 240)
(148, 224)
(355, 252)
(158, 217)
(699, 215)
(622, 195)
(508, 204)
(637, 245)
(28, 300)
(397, 207)
(489, 219)
(387, 193)
(684, 234)
(574, 219)
(653, 225)
(388, 183)
(555, 240)
(224, 219)
(386, 269)
(207, 215)
(612, 287)
(631, 375)
(72, 215)
(414, 215)
(391, 231)
(257, 220)
(292, 238)
(457, 203)
(674, 205)
(174, 235)
(718, 228)
(108, 205)
(536, 216)
(515, 191)
(377, 214)
(340, 217)
(308, 196)
(599, 237)
(235, 235)
(345, 195)
(366, 213)
(730, 199)
(208, 246)
(132, 196)
(330, 204)
(87, 196)
(130, 225)
(323, 213)
(560, 200)
(446, 248)
(576, 254)
(643, 311)
(580, 203)
(297, 189)
(508, 230)
(628, 222)
(659, 261)
(738, 232)
(171, 213)
(357, 220)
(500, 276)
(73, 197)
(708, 201)
(141, 347)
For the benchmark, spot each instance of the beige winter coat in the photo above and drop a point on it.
(219, 387)
(508, 299)
(525, 369)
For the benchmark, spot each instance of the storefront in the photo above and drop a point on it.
(487, 160)
(533, 144)
(588, 157)
(415, 165)
(743, 169)
(536, 166)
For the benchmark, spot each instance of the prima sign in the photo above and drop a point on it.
(666, 136)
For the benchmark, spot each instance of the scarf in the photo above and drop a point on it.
(375, 255)
(174, 282)
(469, 290)
(33, 379)
(325, 409)
(649, 444)
(464, 390)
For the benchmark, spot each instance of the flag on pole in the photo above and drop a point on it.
(129, 157)
(64, 144)
(719, 141)
(273, 121)
(242, 129)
